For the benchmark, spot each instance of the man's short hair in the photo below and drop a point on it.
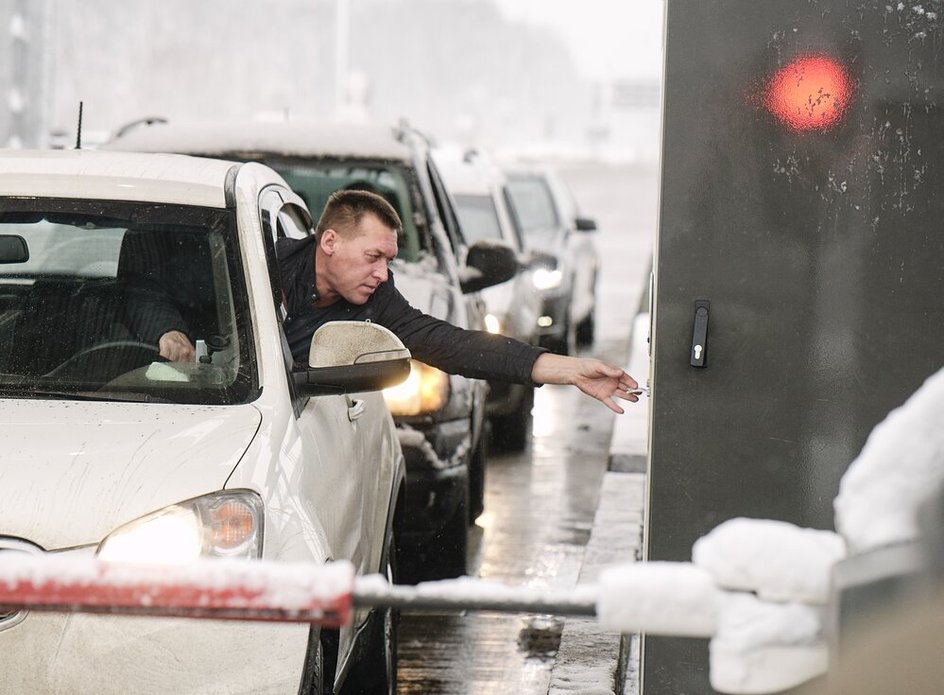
(346, 208)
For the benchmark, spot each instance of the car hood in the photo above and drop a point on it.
(71, 472)
(499, 299)
(426, 290)
(551, 241)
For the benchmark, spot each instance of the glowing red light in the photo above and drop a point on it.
(810, 93)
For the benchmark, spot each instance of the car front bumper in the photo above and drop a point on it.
(555, 307)
(437, 472)
(80, 653)
(505, 398)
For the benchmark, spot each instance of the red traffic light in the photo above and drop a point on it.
(809, 93)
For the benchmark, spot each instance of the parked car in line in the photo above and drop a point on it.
(477, 186)
(547, 215)
(440, 418)
(111, 450)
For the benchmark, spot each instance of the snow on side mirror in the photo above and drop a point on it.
(352, 356)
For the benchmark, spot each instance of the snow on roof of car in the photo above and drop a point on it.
(114, 176)
(467, 170)
(289, 138)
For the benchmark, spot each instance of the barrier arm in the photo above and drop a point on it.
(756, 646)
(326, 593)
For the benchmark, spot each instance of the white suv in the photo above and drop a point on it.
(110, 449)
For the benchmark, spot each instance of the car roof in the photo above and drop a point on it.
(289, 138)
(161, 178)
(468, 172)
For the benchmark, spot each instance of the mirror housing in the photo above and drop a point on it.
(351, 357)
(585, 224)
(488, 263)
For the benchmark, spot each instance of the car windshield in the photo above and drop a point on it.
(315, 181)
(532, 205)
(87, 288)
(478, 217)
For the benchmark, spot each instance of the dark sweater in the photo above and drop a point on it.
(474, 354)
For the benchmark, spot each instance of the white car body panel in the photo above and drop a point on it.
(109, 463)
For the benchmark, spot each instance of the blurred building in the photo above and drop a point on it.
(23, 73)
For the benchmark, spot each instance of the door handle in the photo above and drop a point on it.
(699, 354)
(355, 408)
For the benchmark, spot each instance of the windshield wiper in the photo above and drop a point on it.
(38, 394)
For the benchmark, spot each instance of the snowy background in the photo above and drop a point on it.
(514, 74)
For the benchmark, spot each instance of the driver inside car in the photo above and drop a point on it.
(166, 282)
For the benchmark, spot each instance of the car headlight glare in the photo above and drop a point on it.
(493, 324)
(546, 278)
(425, 390)
(223, 524)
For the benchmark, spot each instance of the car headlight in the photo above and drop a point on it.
(426, 390)
(546, 278)
(493, 324)
(222, 524)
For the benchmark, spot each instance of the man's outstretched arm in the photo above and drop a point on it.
(592, 376)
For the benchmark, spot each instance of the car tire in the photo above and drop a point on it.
(477, 466)
(447, 550)
(512, 432)
(313, 673)
(376, 671)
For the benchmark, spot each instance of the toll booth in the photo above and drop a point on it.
(798, 290)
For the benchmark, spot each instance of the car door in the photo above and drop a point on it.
(342, 437)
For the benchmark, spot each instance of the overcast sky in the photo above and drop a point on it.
(609, 39)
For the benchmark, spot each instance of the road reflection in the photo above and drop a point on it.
(539, 510)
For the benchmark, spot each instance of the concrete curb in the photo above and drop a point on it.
(590, 661)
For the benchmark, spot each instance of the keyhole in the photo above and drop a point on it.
(698, 352)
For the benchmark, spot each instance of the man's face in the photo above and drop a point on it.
(356, 264)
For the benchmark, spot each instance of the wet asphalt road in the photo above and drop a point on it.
(540, 504)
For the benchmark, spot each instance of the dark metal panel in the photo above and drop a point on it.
(821, 252)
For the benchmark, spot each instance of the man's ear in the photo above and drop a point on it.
(328, 240)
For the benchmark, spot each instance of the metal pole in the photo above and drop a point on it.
(470, 594)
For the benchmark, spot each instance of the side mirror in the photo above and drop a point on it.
(585, 224)
(352, 356)
(13, 249)
(488, 263)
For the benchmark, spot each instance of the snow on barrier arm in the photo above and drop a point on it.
(756, 646)
(215, 589)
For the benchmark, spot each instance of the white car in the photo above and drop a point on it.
(547, 215)
(109, 449)
(477, 186)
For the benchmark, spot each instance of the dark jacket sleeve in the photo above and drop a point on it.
(150, 310)
(474, 354)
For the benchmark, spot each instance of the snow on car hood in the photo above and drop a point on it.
(72, 472)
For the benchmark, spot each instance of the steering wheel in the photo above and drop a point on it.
(104, 361)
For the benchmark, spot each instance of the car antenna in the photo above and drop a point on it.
(78, 133)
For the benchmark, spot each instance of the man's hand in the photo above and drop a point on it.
(176, 347)
(594, 377)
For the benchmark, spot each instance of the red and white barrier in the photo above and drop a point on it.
(218, 589)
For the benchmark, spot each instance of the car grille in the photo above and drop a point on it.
(10, 618)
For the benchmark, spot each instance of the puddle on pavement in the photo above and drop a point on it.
(540, 636)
